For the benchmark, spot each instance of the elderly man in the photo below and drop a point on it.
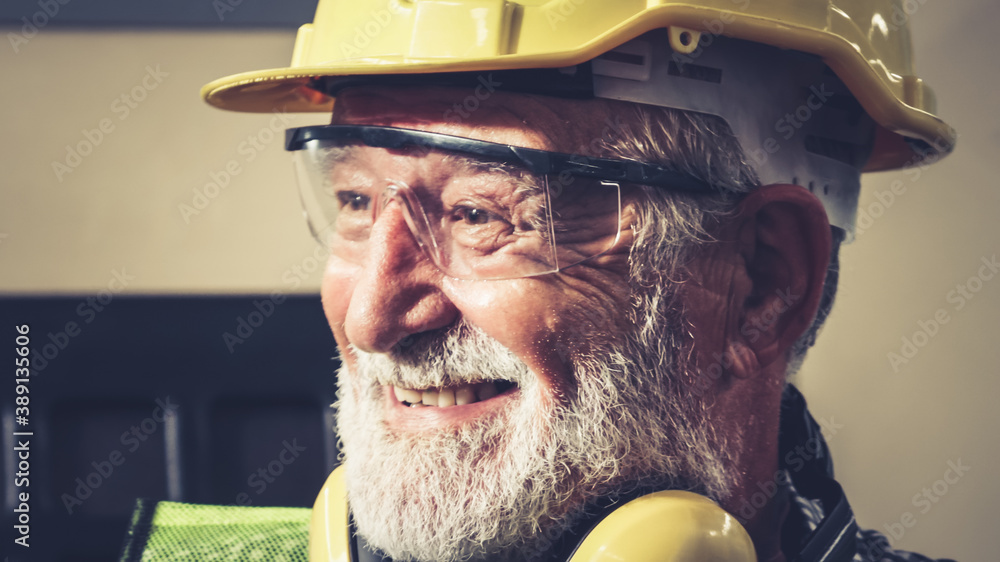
(575, 251)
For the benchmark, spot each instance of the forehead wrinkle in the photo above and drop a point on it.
(504, 117)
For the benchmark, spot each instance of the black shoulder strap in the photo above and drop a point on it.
(801, 440)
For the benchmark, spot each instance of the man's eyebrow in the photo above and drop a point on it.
(527, 183)
(482, 164)
(337, 154)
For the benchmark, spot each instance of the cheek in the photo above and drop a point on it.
(336, 291)
(527, 317)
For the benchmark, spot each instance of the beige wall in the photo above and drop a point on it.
(118, 209)
(67, 230)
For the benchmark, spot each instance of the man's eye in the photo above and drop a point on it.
(474, 216)
(353, 200)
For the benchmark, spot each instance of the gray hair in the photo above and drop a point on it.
(671, 225)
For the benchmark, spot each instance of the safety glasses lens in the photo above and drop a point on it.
(474, 218)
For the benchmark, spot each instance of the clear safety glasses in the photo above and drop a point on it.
(478, 210)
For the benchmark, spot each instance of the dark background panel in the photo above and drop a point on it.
(177, 13)
(108, 453)
(266, 451)
(146, 397)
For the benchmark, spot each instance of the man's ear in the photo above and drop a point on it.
(785, 241)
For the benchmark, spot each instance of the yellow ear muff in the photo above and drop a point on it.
(670, 526)
(329, 532)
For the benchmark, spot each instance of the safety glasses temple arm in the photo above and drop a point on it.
(537, 161)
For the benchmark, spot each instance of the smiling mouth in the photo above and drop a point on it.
(449, 396)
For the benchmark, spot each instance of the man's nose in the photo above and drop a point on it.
(398, 292)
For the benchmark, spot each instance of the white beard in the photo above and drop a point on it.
(503, 488)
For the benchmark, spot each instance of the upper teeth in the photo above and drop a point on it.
(447, 396)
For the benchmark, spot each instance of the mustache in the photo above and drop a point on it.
(456, 355)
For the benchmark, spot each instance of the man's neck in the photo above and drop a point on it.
(766, 530)
(761, 497)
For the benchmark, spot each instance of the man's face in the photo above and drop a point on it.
(542, 393)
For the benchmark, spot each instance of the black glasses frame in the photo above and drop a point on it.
(537, 161)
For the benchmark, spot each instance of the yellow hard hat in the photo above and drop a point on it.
(865, 42)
